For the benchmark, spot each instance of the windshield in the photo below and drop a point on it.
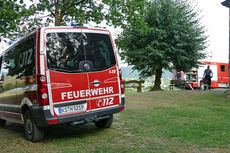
(66, 50)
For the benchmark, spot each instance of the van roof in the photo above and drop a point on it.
(52, 27)
(75, 27)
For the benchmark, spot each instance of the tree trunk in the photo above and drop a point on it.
(57, 20)
(157, 83)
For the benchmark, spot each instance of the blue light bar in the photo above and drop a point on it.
(73, 23)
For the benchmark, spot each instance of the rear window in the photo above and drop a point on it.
(66, 50)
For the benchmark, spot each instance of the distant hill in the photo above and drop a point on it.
(127, 72)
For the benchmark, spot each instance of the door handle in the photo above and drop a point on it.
(95, 83)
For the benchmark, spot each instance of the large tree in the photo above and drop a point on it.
(169, 36)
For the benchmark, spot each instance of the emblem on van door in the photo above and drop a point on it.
(99, 103)
(96, 83)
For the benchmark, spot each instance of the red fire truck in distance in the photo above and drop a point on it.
(194, 78)
(60, 75)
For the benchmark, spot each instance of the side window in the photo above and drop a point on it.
(222, 68)
(10, 63)
(19, 61)
(26, 58)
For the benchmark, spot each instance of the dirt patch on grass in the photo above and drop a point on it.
(198, 149)
(228, 94)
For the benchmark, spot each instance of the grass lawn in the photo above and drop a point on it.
(160, 121)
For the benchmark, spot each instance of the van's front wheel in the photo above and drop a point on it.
(2, 122)
(32, 131)
(105, 123)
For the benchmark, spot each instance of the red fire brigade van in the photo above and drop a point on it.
(194, 78)
(58, 75)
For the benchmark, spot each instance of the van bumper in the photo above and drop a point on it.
(43, 118)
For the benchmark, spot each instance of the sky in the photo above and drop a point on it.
(215, 18)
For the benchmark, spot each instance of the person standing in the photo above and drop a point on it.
(207, 76)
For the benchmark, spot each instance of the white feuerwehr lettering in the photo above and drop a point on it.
(86, 93)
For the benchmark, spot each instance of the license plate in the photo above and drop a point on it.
(72, 109)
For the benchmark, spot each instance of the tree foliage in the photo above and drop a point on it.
(12, 14)
(61, 12)
(173, 38)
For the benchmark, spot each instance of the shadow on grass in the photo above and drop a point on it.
(57, 132)
(14, 128)
(66, 131)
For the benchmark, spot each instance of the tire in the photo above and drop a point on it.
(105, 123)
(32, 132)
(2, 122)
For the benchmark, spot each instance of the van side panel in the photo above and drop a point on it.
(26, 83)
(18, 81)
(8, 92)
(27, 90)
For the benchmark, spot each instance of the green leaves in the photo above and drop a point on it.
(8, 15)
(13, 16)
(124, 14)
(63, 11)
